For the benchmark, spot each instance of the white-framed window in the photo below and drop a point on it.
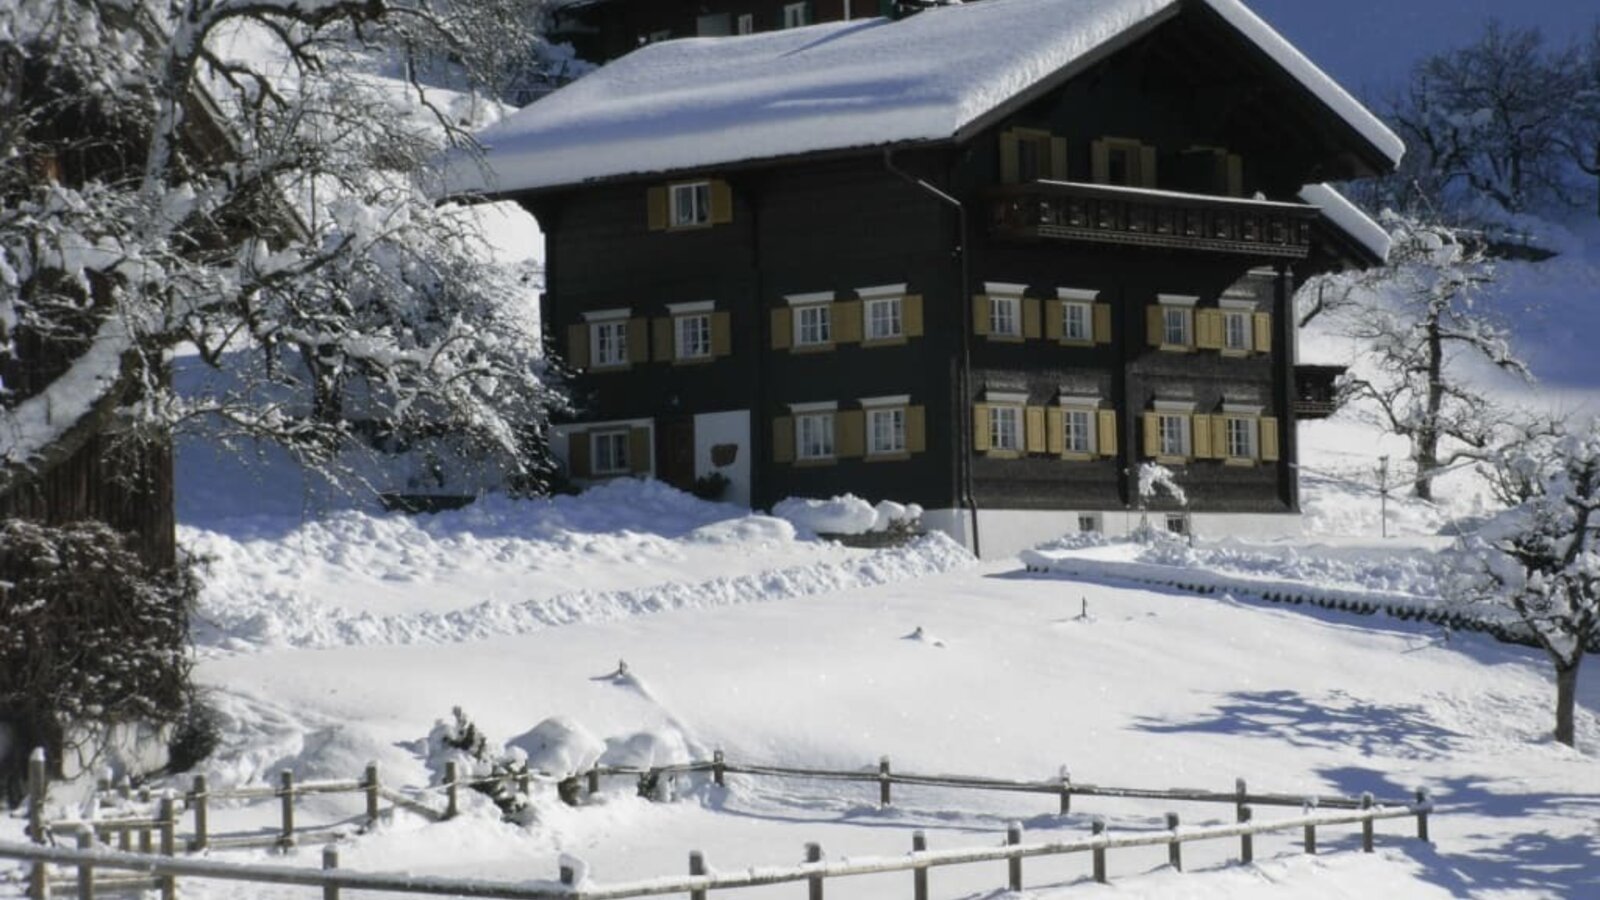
(1235, 330)
(747, 23)
(1005, 428)
(813, 436)
(693, 336)
(1174, 434)
(1077, 322)
(1078, 430)
(1005, 316)
(1178, 523)
(883, 319)
(609, 345)
(794, 15)
(608, 453)
(1088, 523)
(813, 325)
(1241, 437)
(691, 204)
(886, 431)
(1175, 325)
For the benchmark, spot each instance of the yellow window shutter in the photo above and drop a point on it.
(639, 450)
(722, 333)
(656, 208)
(1235, 175)
(980, 426)
(1200, 443)
(782, 328)
(916, 429)
(1155, 325)
(911, 315)
(1032, 314)
(1099, 162)
(1152, 434)
(578, 346)
(783, 439)
(1008, 157)
(1055, 435)
(1058, 159)
(1269, 438)
(1147, 166)
(661, 336)
(850, 433)
(721, 202)
(638, 340)
(1219, 437)
(1053, 311)
(1208, 329)
(578, 454)
(1035, 439)
(1102, 323)
(1106, 432)
(1263, 333)
(980, 314)
(847, 322)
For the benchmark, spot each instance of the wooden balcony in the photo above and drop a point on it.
(1142, 217)
(1316, 391)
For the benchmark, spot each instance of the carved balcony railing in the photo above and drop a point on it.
(1316, 390)
(1150, 218)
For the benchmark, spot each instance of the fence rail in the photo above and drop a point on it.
(158, 833)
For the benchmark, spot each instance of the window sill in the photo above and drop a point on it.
(898, 340)
(897, 456)
(693, 360)
(610, 367)
(1076, 342)
(814, 348)
(1240, 462)
(815, 462)
(1005, 338)
(1172, 460)
(1176, 348)
(698, 226)
(1003, 454)
(1236, 353)
(1077, 457)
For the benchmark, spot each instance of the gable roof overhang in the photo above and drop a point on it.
(695, 104)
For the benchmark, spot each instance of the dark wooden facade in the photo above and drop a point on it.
(829, 226)
(602, 30)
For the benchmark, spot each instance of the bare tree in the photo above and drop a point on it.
(1417, 321)
(1541, 558)
(1580, 135)
(229, 178)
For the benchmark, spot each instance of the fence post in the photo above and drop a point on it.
(85, 870)
(1423, 802)
(198, 798)
(719, 768)
(1066, 791)
(1241, 792)
(883, 781)
(169, 845)
(1174, 849)
(525, 783)
(452, 795)
(697, 866)
(286, 791)
(594, 782)
(814, 855)
(566, 874)
(330, 862)
(39, 881)
(919, 875)
(1247, 841)
(369, 782)
(1014, 864)
(1098, 828)
(1366, 824)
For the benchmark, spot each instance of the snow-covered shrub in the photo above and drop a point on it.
(91, 637)
(559, 747)
(847, 514)
(460, 741)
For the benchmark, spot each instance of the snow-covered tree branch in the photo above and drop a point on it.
(246, 180)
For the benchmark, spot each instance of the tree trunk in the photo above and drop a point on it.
(1567, 699)
(1426, 439)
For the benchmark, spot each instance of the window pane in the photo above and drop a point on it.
(1076, 325)
(883, 319)
(1003, 315)
(1177, 321)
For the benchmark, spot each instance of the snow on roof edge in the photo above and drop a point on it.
(1308, 73)
(1349, 218)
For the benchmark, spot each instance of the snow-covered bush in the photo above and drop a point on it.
(846, 514)
(91, 637)
(459, 740)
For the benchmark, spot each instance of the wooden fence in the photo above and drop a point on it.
(159, 834)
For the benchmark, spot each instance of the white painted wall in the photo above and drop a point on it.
(711, 429)
(1005, 532)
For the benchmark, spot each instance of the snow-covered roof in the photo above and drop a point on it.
(1349, 218)
(701, 102)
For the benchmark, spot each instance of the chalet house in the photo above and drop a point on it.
(989, 259)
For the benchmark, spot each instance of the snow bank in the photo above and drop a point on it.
(559, 747)
(305, 623)
(847, 514)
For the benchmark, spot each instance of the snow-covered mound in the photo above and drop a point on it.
(847, 514)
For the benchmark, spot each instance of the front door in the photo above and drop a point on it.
(675, 451)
